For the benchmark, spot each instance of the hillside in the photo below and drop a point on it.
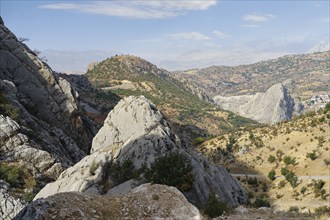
(301, 145)
(130, 75)
(308, 74)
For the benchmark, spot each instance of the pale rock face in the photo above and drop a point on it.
(144, 202)
(275, 105)
(136, 130)
(9, 206)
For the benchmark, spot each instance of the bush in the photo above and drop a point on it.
(290, 177)
(253, 181)
(294, 209)
(312, 155)
(173, 169)
(93, 168)
(271, 175)
(303, 190)
(271, 159)
(261, 202)
(8, 109)
(198, 140)
(121, 172)
(289, 160)
(214, 207)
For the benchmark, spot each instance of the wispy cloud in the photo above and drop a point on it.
(189, 36)
(258, 17)
(135, 9)
(219, 34)
(250, 26)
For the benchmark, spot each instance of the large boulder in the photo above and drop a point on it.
(144, 202)
(136, 130)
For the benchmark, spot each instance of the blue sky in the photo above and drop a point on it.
(179, 34)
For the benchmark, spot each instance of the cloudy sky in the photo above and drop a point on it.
(179, 34)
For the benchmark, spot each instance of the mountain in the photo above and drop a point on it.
(130, 75)
(308, 74)
(296, 151)
(273, 106)
(131, 148)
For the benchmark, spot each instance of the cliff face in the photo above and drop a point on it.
(136, 130)
(273, 106)
(42, 129)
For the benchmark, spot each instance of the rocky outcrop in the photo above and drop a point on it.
(273, 106)
(9, 206)
(136, 130)
(144, 202)
(42, 128)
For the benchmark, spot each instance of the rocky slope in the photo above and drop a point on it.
(136, 130)
(273, 106)
(129, 75)
(309, 73)
(42, 128)
(301, 145)
(144, 202)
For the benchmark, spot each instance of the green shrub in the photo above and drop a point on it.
(173, 169)
(322, 119)
(121, 172)
(271, 175)
(290, 177)
(289, 160)
(214, 207)
(311, 155)
(253, 181)
(198, 140)
(271, 159)
(303, 190)
(293, 209)
(261, 202)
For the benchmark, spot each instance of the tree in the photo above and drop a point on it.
(173, 169)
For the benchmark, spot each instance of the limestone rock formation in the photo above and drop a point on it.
(273, 106)
(9, 206)
(144, 202)
(42, 128)
(136, 130)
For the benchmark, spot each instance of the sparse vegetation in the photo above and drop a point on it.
(11, 173)
(261, 202)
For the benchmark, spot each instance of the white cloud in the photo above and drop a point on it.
(135, 9)
(258, 17)
(219, 34)
(250, 26)
(189, 36)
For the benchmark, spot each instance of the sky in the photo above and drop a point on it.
(175, 35)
